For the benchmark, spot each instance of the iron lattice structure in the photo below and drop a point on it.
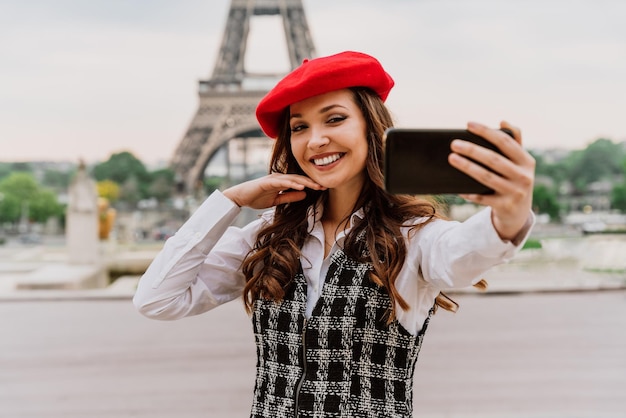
(226, 106)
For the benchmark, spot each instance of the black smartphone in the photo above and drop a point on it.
(416, 162)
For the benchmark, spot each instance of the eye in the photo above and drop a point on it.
(298, 127)
(336, 119)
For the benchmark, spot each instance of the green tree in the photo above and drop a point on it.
(44, 205)
(5, 170)
(545, 201)
(130, 191)
(10, 208)
(121, 168)
(602, 159)
(162, 184)
(558, 171)
(618, 198)
(19, 191)
(21, 185)
(57, 180)
(20, 166)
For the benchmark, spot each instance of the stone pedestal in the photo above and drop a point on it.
(82, 223)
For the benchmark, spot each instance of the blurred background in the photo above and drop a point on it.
(114, 83)
(110, 138)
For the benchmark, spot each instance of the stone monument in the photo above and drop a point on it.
(84, 267)
(82, 220)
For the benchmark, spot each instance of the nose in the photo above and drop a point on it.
(318, 139)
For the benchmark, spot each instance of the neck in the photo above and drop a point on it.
(339, 205)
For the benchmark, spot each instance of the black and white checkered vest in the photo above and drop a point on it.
(343, 361)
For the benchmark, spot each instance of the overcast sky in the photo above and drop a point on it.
(84, 79)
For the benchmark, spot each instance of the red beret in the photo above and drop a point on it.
(319, 76)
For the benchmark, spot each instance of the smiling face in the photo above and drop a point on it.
(328, 139)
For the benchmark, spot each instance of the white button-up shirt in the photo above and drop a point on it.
(199, 268)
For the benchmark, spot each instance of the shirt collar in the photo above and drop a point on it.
(315, 212)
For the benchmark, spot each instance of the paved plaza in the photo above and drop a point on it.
(531, 355)
(547, 340)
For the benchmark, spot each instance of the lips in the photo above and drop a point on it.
(329, 159)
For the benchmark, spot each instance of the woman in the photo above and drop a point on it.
(340, 277)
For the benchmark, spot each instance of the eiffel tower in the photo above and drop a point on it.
(227, 106)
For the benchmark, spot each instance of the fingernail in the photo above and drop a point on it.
(458, 144)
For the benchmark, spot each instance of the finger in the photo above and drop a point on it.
(491, 179)
(290, 196)
(469, 154)
(296, 181)
(510, 147)
(502, 176)
(491, 166)
(307, 182)
(280, 185)
(517, 133)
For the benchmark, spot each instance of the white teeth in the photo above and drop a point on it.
(327, 160)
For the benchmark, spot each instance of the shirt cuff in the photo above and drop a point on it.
(487, 240)
(524, 233)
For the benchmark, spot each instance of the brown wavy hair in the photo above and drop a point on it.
(270, 267)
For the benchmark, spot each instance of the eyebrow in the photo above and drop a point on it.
(322, 110)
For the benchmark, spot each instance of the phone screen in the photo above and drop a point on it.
(416, 162)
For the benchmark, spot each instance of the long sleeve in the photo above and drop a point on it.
(448, 254)
(453, 254)
(199, 267)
